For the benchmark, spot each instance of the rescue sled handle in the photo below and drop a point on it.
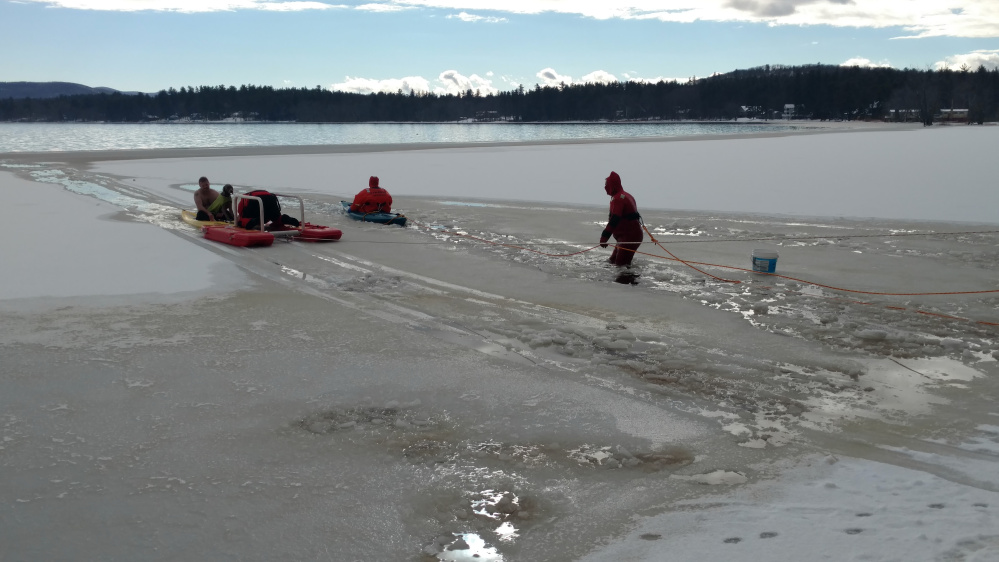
(260, 205)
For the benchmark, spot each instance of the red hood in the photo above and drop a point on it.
(612, 185)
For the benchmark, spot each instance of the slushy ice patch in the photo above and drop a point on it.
(392, 417)
(482, 494)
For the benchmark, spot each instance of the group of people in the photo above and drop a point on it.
(624, 223)
(215, 206)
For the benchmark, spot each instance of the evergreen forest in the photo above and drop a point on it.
(820, 92)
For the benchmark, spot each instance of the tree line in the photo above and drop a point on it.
(768, 92)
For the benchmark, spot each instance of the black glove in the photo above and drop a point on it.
(604, 236)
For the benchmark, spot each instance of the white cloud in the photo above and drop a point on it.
(988, 59)
(451, 82)
(655, 80)
(380, 7)
(917, 18)
(448, 82)
(409, 84)
(549, 77)
(189, 6)
(465, 16)
(861, 61)
(599, 77)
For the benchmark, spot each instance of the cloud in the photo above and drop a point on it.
(378, 7)
(189, 6)
(448, 82)
(549, 77)
(451, 82)
(916, 19)
(776, 8)
(974, 59)
(465, 16)
(861, 61)
(655, 80)
(919, 18)
(409, 84)
(599, 77)
(454, 82)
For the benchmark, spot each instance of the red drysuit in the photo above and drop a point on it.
(373, 199)
(623, 224)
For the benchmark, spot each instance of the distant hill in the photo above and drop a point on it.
(41, 90)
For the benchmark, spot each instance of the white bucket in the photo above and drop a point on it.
(764, 261)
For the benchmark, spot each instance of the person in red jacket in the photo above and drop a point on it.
(373, 199)
(624, 223)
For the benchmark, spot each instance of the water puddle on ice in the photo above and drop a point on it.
(679, 231)
(890, 386)
(496, 514)
(87, 188)
(469, 547)
(465, 204)
(484, 494)
(627, 278)
(160, 215)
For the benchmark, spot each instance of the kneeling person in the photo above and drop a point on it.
(210, 204)
(374, 199)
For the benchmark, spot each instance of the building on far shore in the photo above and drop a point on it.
(952, 115)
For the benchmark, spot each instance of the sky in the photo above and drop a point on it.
(488, 46)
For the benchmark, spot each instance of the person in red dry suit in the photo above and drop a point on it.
(624, 223)
(373, 199)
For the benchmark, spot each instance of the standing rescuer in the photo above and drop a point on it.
(623, 224)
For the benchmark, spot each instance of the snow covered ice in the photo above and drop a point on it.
(417, 393)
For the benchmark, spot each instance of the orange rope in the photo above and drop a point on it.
(834, 236)
(831, 287)
(656, 242)
(691, 264)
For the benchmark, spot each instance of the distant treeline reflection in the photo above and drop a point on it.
(768, 92)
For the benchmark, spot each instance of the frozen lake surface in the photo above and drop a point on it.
(482, 385)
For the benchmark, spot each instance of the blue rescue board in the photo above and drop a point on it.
(383, 218)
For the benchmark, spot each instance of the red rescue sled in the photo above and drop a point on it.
(236, 236)
(317, 233)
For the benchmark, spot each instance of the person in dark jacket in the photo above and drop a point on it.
(624, 223)
(373, 199)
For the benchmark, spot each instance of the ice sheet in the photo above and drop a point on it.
(410, 392)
